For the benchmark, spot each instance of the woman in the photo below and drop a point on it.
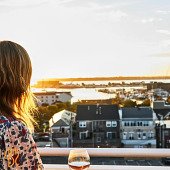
(17, 147)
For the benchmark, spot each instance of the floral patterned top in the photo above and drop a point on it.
(18, 150)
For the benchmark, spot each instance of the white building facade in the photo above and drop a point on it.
(138, 127)
(49, 97)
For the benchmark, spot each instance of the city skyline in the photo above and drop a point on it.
(90, 38)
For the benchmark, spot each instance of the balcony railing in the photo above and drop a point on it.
(109, 152)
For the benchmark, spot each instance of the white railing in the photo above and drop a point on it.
(108, 167)
(109, 152)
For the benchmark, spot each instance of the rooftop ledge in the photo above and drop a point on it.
(109, 152)
(108, 167)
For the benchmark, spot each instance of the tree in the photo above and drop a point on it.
(52, 109)
(129, 103)
(168, 100)
(146, 102)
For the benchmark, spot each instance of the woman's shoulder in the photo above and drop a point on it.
(9, 121)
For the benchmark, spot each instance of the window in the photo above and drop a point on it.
(131, 136)
(139, 123)
(96, 112)
(144, 135)
(82, 124)
(111, 124)
(139, 135)
(98, 139)
(114, 124)
(151, 135)
(108, 124)
(111, 135)
(83, 135)
(150, 123)
(132, 123)
(124, 135)
(100, 110)
(146, 123)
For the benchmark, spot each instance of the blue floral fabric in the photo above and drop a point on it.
(18, 149)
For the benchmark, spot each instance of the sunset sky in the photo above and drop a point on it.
(86, 38)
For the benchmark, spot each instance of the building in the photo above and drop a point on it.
(158, 85)
(138, 127)
(161, 108)
(50, 97)
(61, 128)
(97, 126)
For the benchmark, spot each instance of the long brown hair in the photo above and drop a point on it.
(16, 98)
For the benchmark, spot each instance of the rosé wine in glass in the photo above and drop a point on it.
(78, 159)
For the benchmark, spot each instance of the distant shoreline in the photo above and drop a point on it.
(109, 78)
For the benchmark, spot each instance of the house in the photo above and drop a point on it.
(162, 111)
(138, 127)
(50, 97)
(163, 134)
(161, 108)
(97, 126)
(61, 128)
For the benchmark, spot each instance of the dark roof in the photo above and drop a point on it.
(97, 112)
(137, 112)
(162, 112)
(59, 123)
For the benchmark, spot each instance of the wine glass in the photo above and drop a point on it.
(78, 159)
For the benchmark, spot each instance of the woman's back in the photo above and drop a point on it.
(17, 147)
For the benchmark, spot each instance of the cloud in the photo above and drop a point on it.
(113, 16)
(7, 6)
(166, 32)
(163, 12)
(21, 3)
(164, 54)
(150, 20)
(147, 20)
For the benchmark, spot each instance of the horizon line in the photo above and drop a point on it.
(105, 77)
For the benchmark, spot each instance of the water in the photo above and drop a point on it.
(90, 93)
